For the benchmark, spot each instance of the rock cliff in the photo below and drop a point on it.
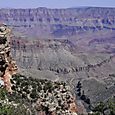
(90, 28)
(59, 22)
(7, 64)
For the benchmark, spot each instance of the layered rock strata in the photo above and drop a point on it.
(58, 23)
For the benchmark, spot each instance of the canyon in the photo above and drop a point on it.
(89, 28)
(45, 97)
(71, 45)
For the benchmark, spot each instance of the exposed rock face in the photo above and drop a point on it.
(7, 64)
(91, 29)
(59, 22)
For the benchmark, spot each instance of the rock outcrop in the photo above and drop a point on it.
(7, 64)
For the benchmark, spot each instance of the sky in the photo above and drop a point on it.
(55, 3)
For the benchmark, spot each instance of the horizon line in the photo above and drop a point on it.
(58, 8)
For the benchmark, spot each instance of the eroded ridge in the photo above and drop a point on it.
(7, 64)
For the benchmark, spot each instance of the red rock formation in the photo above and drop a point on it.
(73, 107)
(7, 64)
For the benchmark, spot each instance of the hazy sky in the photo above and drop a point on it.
(55, 3)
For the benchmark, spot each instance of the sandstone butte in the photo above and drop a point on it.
(7, 64)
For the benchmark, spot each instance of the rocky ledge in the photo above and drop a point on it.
(7, 64)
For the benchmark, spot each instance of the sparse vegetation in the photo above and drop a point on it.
(33, 95)
(105, 108)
